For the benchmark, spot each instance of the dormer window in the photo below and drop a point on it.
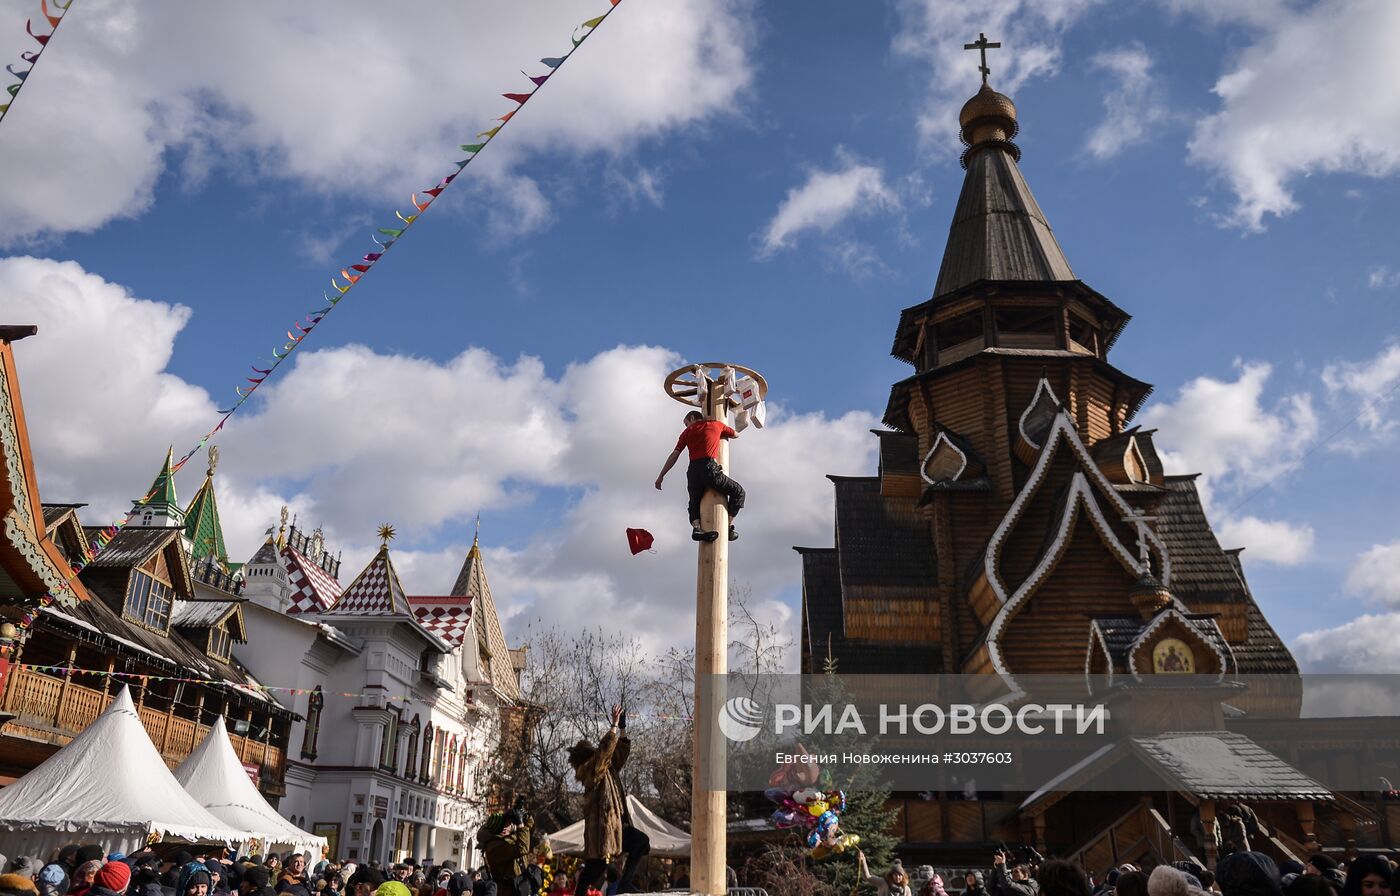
(148, 601)
(219, 642)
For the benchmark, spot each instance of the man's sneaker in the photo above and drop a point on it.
(702, 535)
(733, 534)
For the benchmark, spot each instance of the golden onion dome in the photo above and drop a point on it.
(988, 116)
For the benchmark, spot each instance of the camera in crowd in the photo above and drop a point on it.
(1024, 854)
(516, 813)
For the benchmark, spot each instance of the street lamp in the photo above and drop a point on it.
(715, 389)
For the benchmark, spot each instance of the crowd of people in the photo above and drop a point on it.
(515, 861)
(1240, 873)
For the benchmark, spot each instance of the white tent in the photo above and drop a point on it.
(215, 777)
(107, 786)
(667, 840)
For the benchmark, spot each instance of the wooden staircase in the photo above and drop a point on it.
(1141, 836)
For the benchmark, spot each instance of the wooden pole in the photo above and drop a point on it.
(707, 831)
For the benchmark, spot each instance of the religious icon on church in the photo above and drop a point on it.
(1172, 655)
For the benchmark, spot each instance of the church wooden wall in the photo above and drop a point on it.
(1050, 633)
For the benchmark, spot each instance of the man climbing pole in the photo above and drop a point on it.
(702, 437)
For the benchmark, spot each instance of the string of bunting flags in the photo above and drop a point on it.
(74, 670)
(352, 273)
(32, 56)
(386, 238)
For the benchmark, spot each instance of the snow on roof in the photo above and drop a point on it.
(200, 613)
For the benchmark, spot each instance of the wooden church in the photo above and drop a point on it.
(1020, 524)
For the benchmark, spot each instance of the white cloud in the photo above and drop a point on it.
(351, 438)
(1382, 277)
(1365, 644)
(641, 185)
(1268, 541)
(1318, 92)
(826, 199)
(1366, 388)
(1133, 105)
(1376, 575)
(1224, 431)
(932, 34)
(126, 89)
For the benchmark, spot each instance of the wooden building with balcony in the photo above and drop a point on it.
(145, 626)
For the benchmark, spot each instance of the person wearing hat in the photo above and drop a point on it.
(193, 880)
(53, 877)
(25, 866)
(505, 847)
(894, 882)
(602, 806)
(112, 879)
(254, 882)
(145, 876)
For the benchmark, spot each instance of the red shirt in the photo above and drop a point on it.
(703, 438)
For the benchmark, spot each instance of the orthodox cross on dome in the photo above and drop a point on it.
(386, 535)
(1138, 520)
(983, 45)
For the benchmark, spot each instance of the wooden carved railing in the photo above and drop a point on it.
(34, 698)
(1140, 833)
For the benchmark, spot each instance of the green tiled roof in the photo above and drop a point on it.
(202, 525)
(161, 495)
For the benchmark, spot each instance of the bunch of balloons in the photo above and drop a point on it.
(801, 804)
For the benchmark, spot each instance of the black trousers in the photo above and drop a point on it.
(636, 844)
(705, 474)
(594, 870)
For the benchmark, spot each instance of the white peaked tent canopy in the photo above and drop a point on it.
(667, 840)
(214, 776)
(108, 786)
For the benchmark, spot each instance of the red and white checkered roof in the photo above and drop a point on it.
(447, 617)
(375, 592)
(313, 589)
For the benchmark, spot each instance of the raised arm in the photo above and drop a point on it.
(670, 462)
(881, 886)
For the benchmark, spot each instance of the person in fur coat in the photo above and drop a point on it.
(602, 804)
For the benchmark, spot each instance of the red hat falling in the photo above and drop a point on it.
(113, 876)
(639, 540)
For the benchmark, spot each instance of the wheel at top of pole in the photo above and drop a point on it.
(683, 384)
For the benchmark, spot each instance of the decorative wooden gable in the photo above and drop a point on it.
(1129, 458)
(1174, 643)
(171, 564)
(33, 565)
(1066, 513)
(1035, 422)
(951, 459)
(212, 625)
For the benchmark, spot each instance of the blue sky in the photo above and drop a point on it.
(763, 183)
